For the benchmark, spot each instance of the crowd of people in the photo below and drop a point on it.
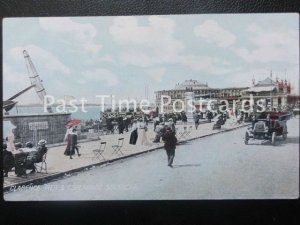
(137, 125)
(23, 158)
(165, 130)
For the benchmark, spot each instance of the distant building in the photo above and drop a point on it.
(200, 90)
(275, 93)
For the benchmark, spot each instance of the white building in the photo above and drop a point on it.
(274, 93)
(200, 90)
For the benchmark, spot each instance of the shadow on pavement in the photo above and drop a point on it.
(183, 142)
(186, 165)
(259, 142)
(292, 140)
(279, 141)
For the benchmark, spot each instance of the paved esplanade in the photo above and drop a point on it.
(215, 167)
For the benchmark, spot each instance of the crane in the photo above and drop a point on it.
(35, 81)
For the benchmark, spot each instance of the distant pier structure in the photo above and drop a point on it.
(48, 126)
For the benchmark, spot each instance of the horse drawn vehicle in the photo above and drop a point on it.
(268, 126)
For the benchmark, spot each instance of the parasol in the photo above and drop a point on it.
(72, 122)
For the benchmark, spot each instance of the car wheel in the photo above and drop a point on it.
(284, 136)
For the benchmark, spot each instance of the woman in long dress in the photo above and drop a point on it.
(74, 146)
(8, 135)
(68, 139)
(142, 134)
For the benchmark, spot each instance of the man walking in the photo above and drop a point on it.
(170, 145)
(171, 125)
(160, 130)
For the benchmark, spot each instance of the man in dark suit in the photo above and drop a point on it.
(170, 145)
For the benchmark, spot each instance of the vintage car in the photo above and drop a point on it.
(268, 126)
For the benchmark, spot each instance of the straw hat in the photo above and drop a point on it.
(42, 142)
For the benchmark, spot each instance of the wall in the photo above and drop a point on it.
(36, 127)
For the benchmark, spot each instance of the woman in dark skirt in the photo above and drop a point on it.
(134, 134)
(69, 150)
(74, 145)
(120, 125)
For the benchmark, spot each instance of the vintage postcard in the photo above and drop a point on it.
(168, 107)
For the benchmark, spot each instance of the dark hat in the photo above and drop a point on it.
(29, 144)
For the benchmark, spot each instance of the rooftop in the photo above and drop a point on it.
(196, 85)
(266, 82)
(261, 89)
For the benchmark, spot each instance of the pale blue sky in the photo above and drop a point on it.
(88, 56)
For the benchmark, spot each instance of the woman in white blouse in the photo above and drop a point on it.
(142, 134)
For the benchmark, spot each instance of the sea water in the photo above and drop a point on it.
(92, 112)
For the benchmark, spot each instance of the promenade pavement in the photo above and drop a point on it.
(60, 165)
